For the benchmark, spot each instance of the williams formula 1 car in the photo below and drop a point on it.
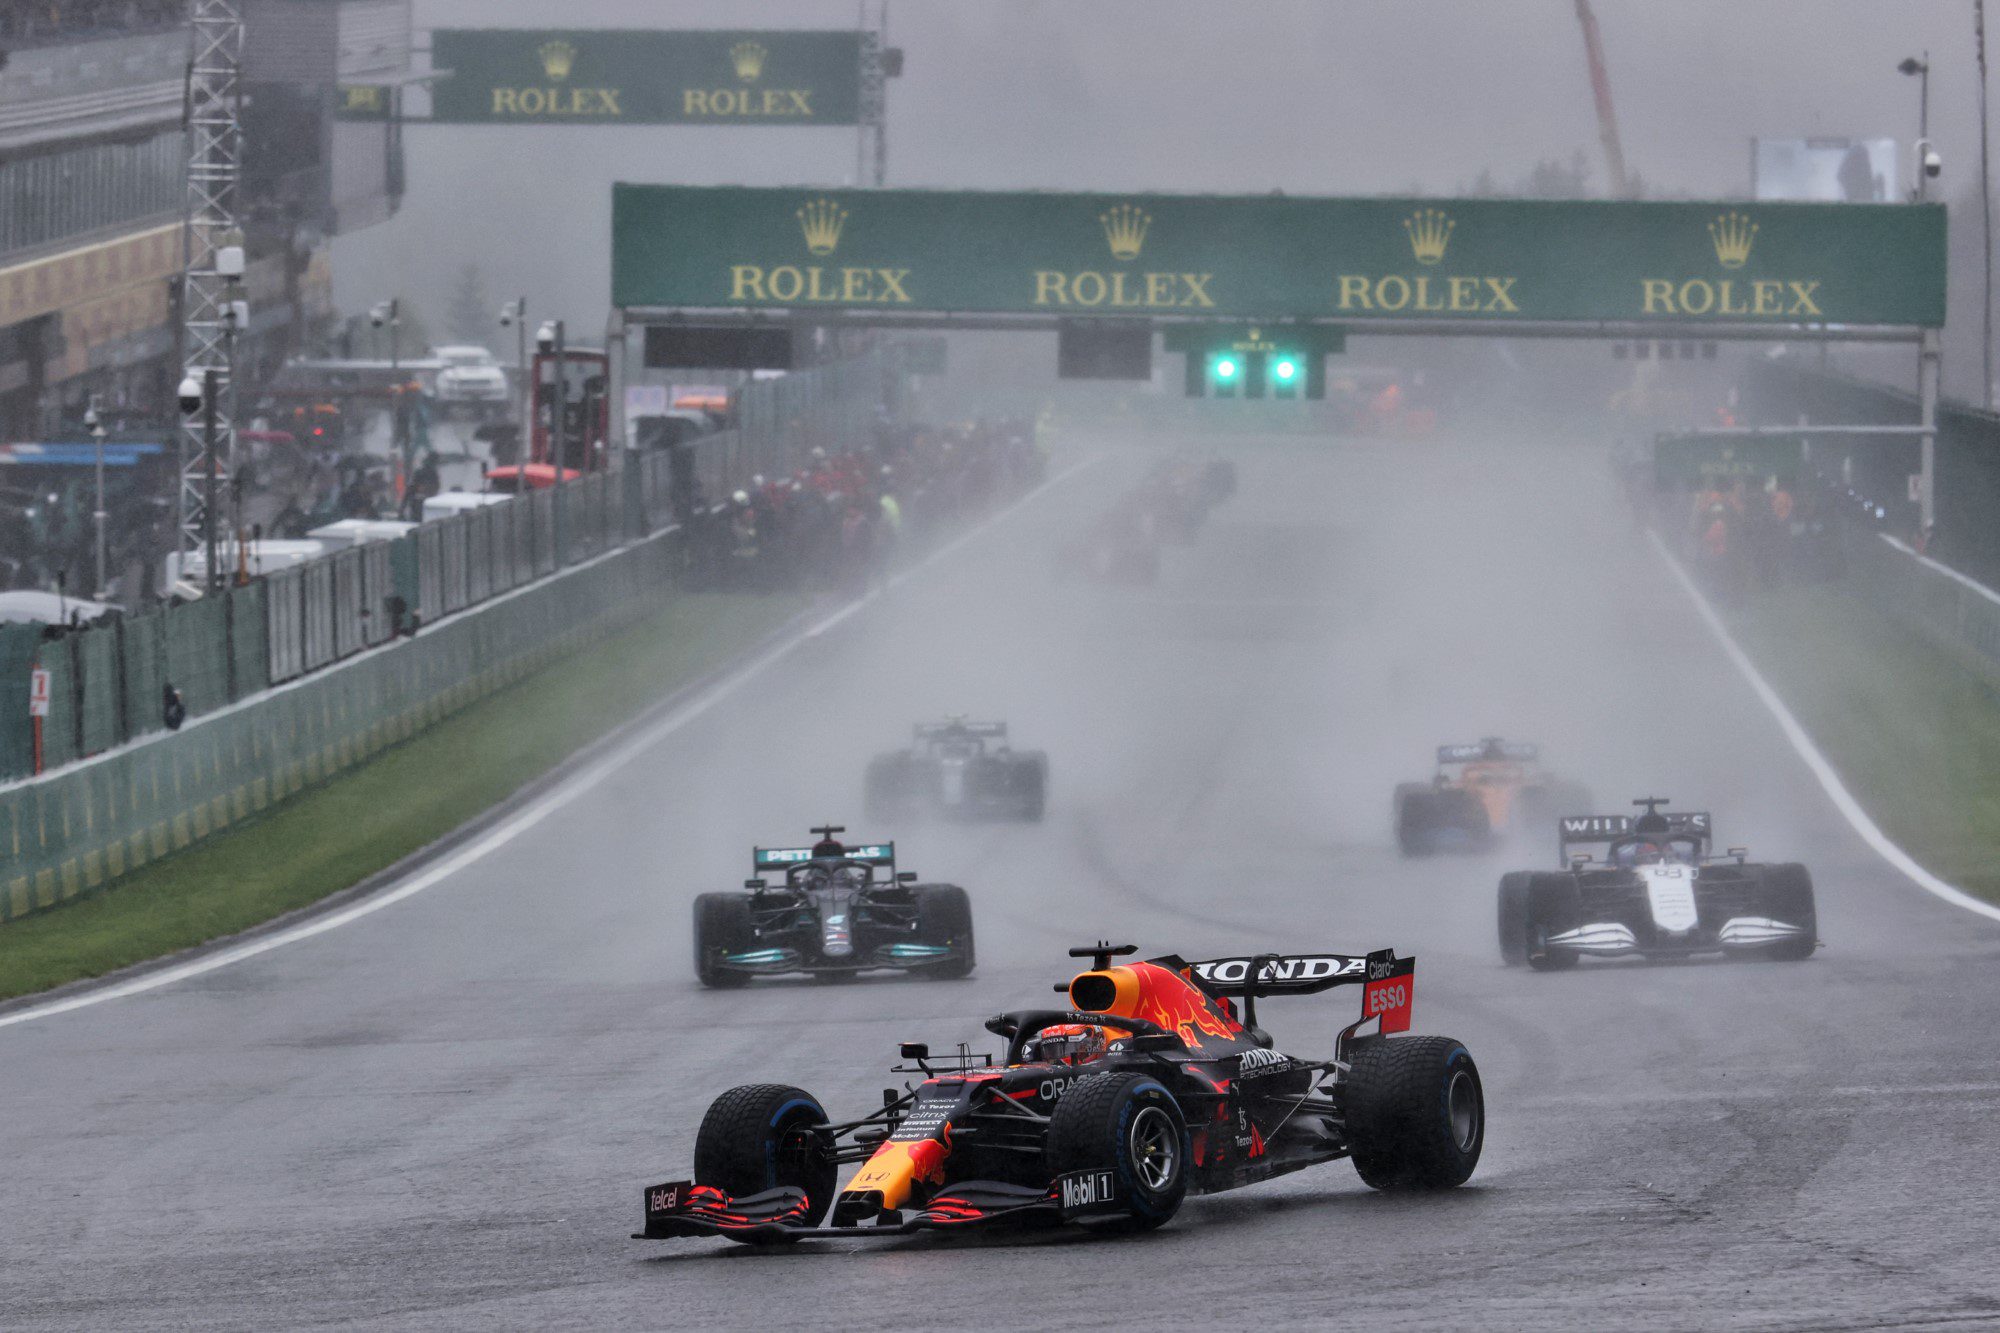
(961, 769)
(1479, 793)
(1656, 892)
(833, 914)
(1152, 1085)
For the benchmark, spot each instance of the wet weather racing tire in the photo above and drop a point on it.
(944, 917)
(1412, 833)
(1128, 1124)
(1553, 906)
(721, 926)
(1514, 917)
(1788, 894)
(765, 1135)
(1032, 781)
(1415, 1113)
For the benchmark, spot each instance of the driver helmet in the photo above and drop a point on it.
(1067, 1044)
(1634, 853)
(827, 847)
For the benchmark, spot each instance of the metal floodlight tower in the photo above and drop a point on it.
(212, 260)
(878, 65)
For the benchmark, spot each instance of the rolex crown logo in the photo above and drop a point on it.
(1430, 231)
(821, 221)
(558, 58)
(1733, 235)
(748, 57)
(1125, 228)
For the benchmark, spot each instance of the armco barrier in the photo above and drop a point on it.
(75, 830)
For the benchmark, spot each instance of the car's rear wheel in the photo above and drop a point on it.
(721, 927)
(1788, 893)
(1514, 917)
(764, 1136)
(1127, 1124)
(944, 918)
(1416, 1113)
(1034, 784)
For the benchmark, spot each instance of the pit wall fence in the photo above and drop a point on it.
(292, 677)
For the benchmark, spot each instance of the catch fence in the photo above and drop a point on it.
(417, 627)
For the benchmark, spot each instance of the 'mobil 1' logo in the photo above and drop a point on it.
(821, 223)
(1125, 229)
(1733, 236)
(1425, 290)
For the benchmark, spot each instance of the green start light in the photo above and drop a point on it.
(1226, 367)
(1285, 369)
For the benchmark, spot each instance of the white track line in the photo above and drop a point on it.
(1836, 790)
(571, 787)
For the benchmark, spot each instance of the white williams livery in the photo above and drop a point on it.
(1655, 890)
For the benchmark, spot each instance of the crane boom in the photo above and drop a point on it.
(1600, 89)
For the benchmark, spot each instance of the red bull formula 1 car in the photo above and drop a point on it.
(1152, 1085)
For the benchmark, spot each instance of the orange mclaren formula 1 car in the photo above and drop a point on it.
(1152, 1085)
(1480, 793)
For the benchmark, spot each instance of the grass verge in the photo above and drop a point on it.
(339, 833)
(1914, 733)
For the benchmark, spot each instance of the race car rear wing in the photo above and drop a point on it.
(777, 858)
(1275, 974)
(1610, 828)
(925, 731)
(1466, 754)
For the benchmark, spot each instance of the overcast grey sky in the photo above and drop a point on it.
(1312, 96)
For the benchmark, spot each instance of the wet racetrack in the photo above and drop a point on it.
(441, 1114)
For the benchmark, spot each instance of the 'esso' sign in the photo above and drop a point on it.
(1391, 990)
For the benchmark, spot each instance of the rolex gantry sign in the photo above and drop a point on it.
(1275, 257)
(613, 76)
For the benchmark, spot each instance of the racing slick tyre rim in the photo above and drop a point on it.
(1416, 1114)
(1154, 1143)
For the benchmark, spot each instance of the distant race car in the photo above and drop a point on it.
(1149, 1087)
(1480, 793)
(961, 769)
(834, 914)
(1656, 892)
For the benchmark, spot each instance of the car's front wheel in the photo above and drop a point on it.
(763, 1136)
(1130, 1125)
(721, 927)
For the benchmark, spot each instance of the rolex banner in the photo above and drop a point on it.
(610, 76)
(1269, 256)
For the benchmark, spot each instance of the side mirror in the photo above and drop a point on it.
(1740, 853)
(906, 877)
(754, 884)
(915, 1050)
(1578, 860)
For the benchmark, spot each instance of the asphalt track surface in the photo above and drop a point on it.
(441, 1114)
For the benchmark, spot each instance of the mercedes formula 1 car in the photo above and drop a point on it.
(1479, 793)
(961, 769)
(1657, 892)
(1152, 1085)
(834, 914)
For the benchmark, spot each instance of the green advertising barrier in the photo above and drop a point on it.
(1270, 257)
(644, 77)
